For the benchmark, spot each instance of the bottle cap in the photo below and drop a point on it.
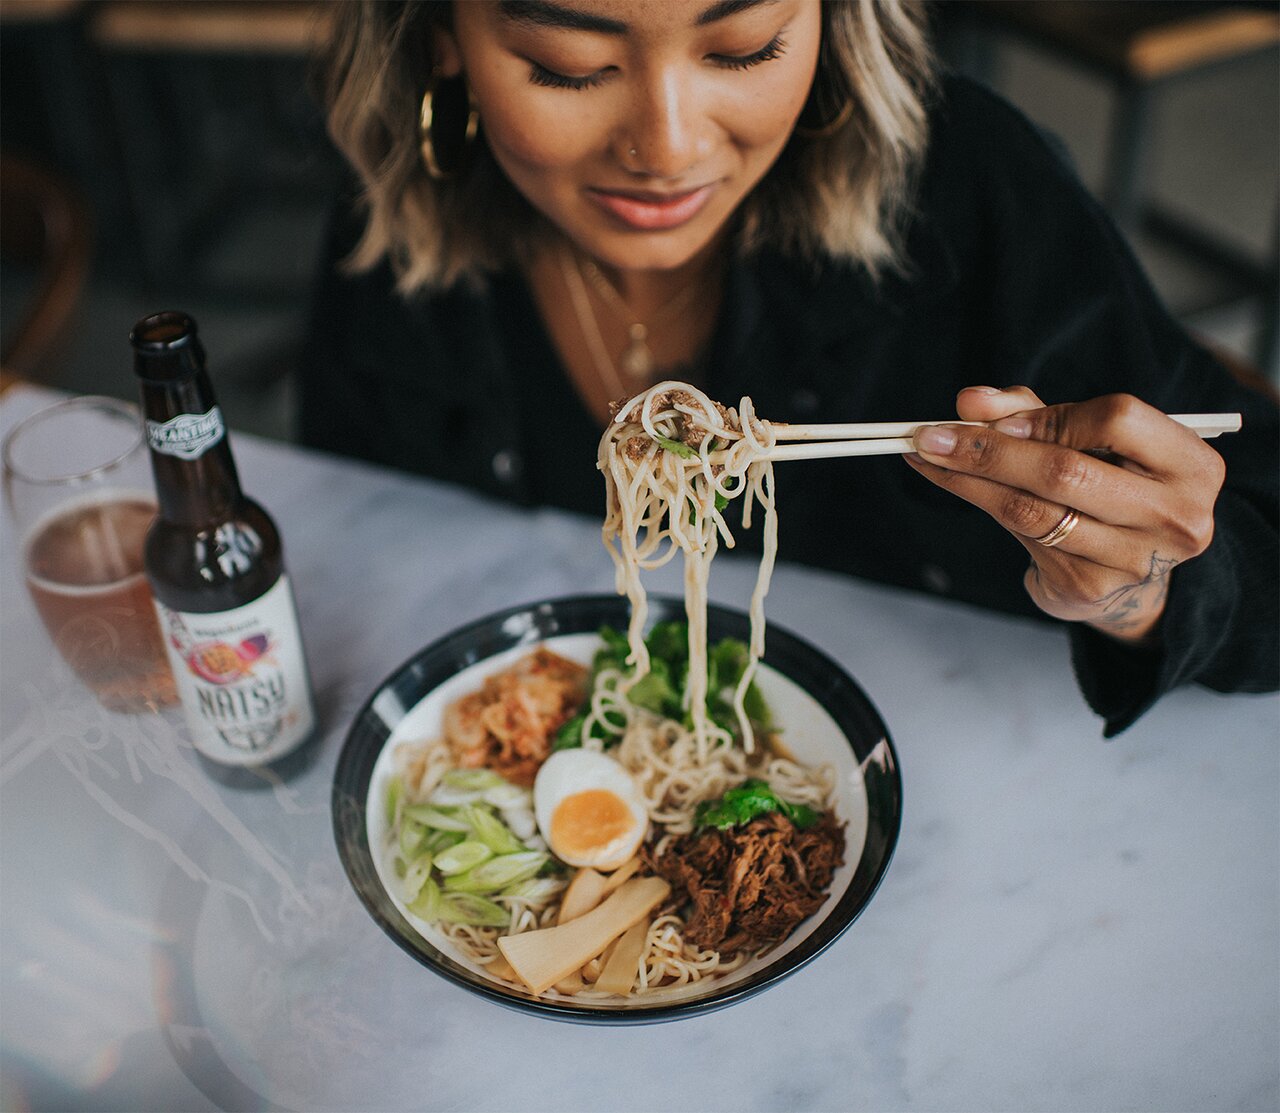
(166, 347)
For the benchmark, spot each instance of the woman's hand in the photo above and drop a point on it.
(1143, 487)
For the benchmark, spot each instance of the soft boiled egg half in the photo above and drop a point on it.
(589, 809)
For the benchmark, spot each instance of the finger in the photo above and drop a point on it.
(989, 403)
(1105, 575)
(1030, 517)
(1060, 476)
(1116, 425)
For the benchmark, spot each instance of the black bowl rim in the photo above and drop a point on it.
(786, 652)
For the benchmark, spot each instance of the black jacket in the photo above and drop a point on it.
(1015, 276)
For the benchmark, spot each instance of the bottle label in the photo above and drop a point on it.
(187, 436)
(242, 677)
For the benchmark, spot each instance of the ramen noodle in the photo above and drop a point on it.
(673, 461)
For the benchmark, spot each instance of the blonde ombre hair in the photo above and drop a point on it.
(842, 192)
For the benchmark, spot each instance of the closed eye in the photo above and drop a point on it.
(540, 75)
(774, 48)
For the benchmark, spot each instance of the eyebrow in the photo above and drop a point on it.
(540, 13)
(725, 8)
(543, 13)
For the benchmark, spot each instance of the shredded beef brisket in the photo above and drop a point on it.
(748, 887)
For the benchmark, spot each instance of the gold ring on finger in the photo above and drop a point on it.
(1061, 531)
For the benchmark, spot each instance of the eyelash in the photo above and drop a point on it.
(540, 75)
(774, 48)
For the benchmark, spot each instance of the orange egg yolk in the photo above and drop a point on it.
(589, 820)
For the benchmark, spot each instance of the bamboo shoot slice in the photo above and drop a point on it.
(623, 967)
(545, 956)
(499, 967)
(570, 985)
(621, 874)
(585, 891)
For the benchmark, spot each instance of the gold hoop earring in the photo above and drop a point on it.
(428, 127)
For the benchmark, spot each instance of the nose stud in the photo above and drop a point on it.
(632, 152)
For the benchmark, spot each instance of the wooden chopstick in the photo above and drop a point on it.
(882, 438)
(1207, 425)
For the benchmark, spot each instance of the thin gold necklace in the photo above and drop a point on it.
(636, 361)
(590, 327)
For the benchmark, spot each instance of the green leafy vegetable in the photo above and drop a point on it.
(614, 651)
(655, 692)
(678, 447)
(749, 800)
(611, 655)
(569, 736)
(669, 642)
(662, 689)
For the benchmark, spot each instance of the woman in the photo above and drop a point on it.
(576, 198)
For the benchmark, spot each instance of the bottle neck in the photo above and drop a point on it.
(195, 474)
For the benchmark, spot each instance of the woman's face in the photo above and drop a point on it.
(636, 126)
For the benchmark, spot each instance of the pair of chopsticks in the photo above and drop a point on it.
(882, 438)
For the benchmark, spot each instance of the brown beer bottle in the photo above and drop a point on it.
(213, 558)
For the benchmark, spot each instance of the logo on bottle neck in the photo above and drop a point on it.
(187, 436)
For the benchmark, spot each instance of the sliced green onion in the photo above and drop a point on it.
(495, 874)
(427, 903)
(412, 837)
(467, 908)
(437, 841)
(534, 889)
(491, 831)
(442, 819)
(521, 822)
(415, 876)
(446, 796)
(472, 780)
(506, 796)
(395, 790)
(462, 857)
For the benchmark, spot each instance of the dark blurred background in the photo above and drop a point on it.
(166, 154)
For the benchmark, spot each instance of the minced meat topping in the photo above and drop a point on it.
(748, 887)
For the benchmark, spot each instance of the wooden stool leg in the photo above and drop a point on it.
(1127, 157)
(1267, 347)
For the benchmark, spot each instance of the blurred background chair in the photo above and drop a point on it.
(210, 107)
(192, 133)
(1141, 48)
(45, 248)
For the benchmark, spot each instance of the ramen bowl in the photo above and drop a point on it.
(824, 718)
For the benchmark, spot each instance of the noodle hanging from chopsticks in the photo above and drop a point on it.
(666, 457)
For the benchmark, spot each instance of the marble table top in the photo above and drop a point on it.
(1068, 923)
